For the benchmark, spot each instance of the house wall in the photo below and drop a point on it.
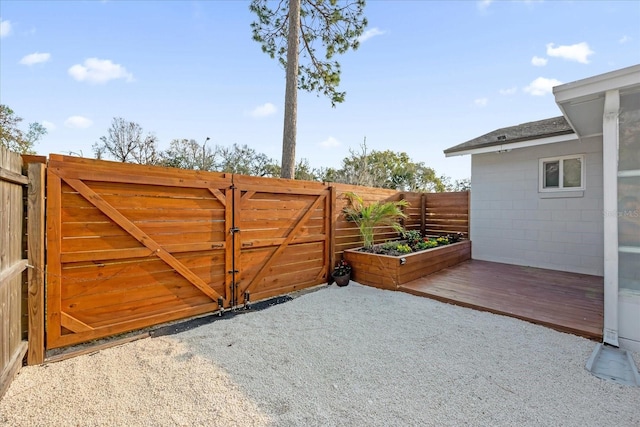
(512, 222)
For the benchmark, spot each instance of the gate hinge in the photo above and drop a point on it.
(220, 306)
(234, 230)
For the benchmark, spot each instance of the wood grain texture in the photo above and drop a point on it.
(36, 246)
(131, 246)
(390, 272)
(12, 266)
(283, 239)
(567, 302)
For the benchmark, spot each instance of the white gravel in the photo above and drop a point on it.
(353, 356)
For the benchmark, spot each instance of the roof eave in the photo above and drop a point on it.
(508, 146)
(582, 101)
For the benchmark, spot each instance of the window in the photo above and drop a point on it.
(562, 173)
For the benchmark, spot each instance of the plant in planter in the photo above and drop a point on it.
(342, 273)
(372, 215)
(455, 237)
(443, 240)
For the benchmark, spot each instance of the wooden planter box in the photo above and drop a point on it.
(390, 272)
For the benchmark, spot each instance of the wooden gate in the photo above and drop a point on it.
(131, 246)
(283, 236)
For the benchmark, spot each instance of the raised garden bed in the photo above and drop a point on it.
(390, 272)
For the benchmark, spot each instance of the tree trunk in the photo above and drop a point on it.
(291, 93)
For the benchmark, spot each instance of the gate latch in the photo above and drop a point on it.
(234, 230)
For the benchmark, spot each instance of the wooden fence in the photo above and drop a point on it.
(20, 314)
(12, 266)
(433, 214)
(132, 246)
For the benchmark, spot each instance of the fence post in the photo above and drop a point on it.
(332, 229)
(423, 213)
(35, 244)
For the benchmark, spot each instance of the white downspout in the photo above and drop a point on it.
(610, 202)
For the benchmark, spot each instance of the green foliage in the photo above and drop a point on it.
(384, 169)
(389, 246)
(303, 171)
(332, 24)
(403, 248)
(426, 244)
(443, 240)
(13, 138)
(242, 159)
(369, 216)
(342, 268)
(458, 185)
(412, 237)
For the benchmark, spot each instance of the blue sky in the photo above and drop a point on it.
(429, 74)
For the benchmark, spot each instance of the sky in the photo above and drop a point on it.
(428, 74)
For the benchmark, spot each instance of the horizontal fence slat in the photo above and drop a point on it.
(13, 177)
(8, 273)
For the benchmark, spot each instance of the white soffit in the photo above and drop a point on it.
(582, 101)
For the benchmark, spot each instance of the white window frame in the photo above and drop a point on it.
(560, 160)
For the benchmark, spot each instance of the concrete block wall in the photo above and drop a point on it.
(512, 222)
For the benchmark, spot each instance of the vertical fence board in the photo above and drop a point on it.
(35, 236)
(12, 266)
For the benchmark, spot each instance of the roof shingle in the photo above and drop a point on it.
(522, 132)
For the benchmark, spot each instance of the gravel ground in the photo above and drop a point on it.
(353, 356)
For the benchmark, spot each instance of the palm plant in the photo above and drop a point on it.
(372, 215)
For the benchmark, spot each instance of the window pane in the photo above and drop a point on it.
(629, 232)
(629, 126)
(551, 174)
(572, 173)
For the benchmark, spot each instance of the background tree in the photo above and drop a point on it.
(242, 159)
(384, 169)
(458, 185)
(13, 138)
(295, 28)
(124, 143)
(189, 154)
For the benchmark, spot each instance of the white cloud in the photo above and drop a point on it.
(99, 71)
(539, 62)
(48, 125)
(624, 39)
(35, 58)
(508, 91)
(375, 31)
(484, 4)
(330, 142)
(78, 122)
(578, 52)
(481, 102)
(541, 86)
(5, 28)
(263, 110)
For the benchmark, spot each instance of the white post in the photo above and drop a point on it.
(610, 214)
